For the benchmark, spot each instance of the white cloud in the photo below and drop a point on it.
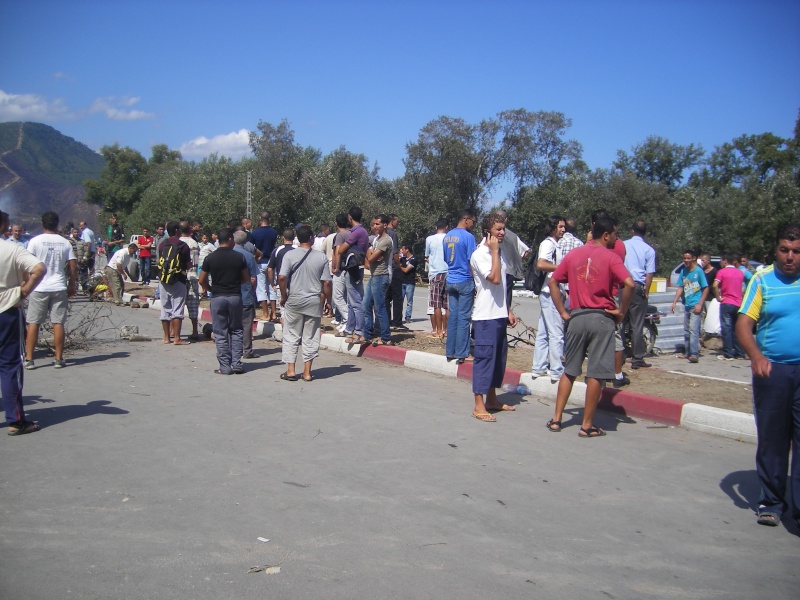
(116, 108)
(233, 145)
(30, 107)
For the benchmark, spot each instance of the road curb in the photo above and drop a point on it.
(698, 417)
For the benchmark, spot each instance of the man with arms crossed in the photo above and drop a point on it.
(592, 271)
(354, 282)
(771, 304)
(51, 296)
(20, 273)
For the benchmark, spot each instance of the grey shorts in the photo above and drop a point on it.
(590, 334)
(173, 300)
(42, 304)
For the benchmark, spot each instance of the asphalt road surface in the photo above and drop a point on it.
(154, 478)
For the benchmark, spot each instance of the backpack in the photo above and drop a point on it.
(169, 263)
(534, 278)
(352, 259)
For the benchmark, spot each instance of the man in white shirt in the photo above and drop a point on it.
(50, 299)
(437, 278)
(192, 285)
(514, 252)
(116, 269)
(490, 318)
(549, 347)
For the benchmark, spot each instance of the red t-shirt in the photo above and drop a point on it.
(593, 273)
(145, 241)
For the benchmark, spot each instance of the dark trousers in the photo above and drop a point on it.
(636, 314)
(394, 300)
(728, 313)
(226, 320)
(11, 372)
(776, 400)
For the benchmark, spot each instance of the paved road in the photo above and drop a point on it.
(153, 478)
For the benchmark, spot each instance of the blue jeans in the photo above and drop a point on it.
(144, 269)
(776, 404)
(691, 332)
(549, 346)
(728, 314)
(460, 297)
(355, 308)
(375, 296)
(408, 293)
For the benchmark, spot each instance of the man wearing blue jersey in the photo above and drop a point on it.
(458, 246)
(771, 305)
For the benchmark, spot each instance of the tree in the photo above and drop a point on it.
(752, 156)
(658, 161)
(122, 181)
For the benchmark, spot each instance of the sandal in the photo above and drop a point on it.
(23, 427)
(286, 377)
(307, 379)
(591, 432)
(382, 343)
(485, 417)
(354, 339)
(553, 423)
(340, 334)
(769, 519)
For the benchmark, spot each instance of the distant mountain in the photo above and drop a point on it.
(41, 170)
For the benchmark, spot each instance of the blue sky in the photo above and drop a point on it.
(199, 75)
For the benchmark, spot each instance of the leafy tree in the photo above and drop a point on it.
(658, 161)
(751, 156)
(122, 181)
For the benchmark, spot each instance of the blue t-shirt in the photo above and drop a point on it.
(458, 245)
(264, 238)
(773, 301)
(248, 297)
(693, 282)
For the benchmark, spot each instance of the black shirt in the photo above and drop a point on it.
(225, 266)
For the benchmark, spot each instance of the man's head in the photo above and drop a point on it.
(264, 218)
(555, 227)
(639, 228)
(225, 236)
(172, 228)
(112, 219)
(288, 235)
(604, 231)
(355, 214)
(304, 234)
(247, 223)
(502, 214)
(706, 260)
(323, 231)
(494, 224)
(50, 221)
(467, 219)
(787, 250)
(16, 231)
(160, 230)
(132, 248)
(406, 249)
(394, 221)
(379, 224)
(196, 225)
(186, 229)
(689, 258)
(341, 221)
(74, 232)
(726, 260)
(145, 231)
(570, 226)
(441, 225)
(82, 225)
(239, 238)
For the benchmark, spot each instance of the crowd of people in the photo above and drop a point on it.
(589, 289)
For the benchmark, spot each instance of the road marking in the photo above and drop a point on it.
(707, 377)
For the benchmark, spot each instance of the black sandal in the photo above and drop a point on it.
(286, 377)
(23, 427)
(591, 432)
(553, 422)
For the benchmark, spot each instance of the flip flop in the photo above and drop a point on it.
(591, 432)
(485, 417)
(309, 378)
(501, 407)
(768, 519)
(286, 377)
(382, 343)
(555, 423)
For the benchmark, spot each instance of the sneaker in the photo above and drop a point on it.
(534, 374)
(59, 364)
(555, 378)
(29, 364)
(334, 322)
(618, 383)
(249, 355)
(721, 357)
(341, 327)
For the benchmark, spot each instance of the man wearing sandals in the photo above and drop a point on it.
(592, 272)
(490, 318)
(378, 257)
(770, 305)
(305, 275)
(16, 265)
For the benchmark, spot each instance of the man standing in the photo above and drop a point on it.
(592, 272)
(728, 290)
(87, 235)
(549, 345)
(264, 238)
(339, 276)
(116, 269)
(640, 260)
(174, 261)
(771, 306)
(490, 318)
(694, 288)
(304, 277)
(192, 287)
(407, 272)
(115, 235)
(394, 295)
(51, 297)
(437, 280)
(275, 259)
(145, 244)
(358, 240)
(378, 257)
(158, 239)
(20, 273)
(248, 295)
(458, 245)
(514, 252)
(567, 242)
(228, 271)
(16, 236)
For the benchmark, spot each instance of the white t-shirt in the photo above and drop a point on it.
(15, 262)
(120, 257)
(490, 299)
(87, 235)
(55, 252)
(194, 254)
(547, 251)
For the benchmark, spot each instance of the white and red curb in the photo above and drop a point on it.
(716, 421)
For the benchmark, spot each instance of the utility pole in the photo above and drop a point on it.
(249, 210)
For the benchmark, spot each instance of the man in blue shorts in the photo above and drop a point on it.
(771, 305)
